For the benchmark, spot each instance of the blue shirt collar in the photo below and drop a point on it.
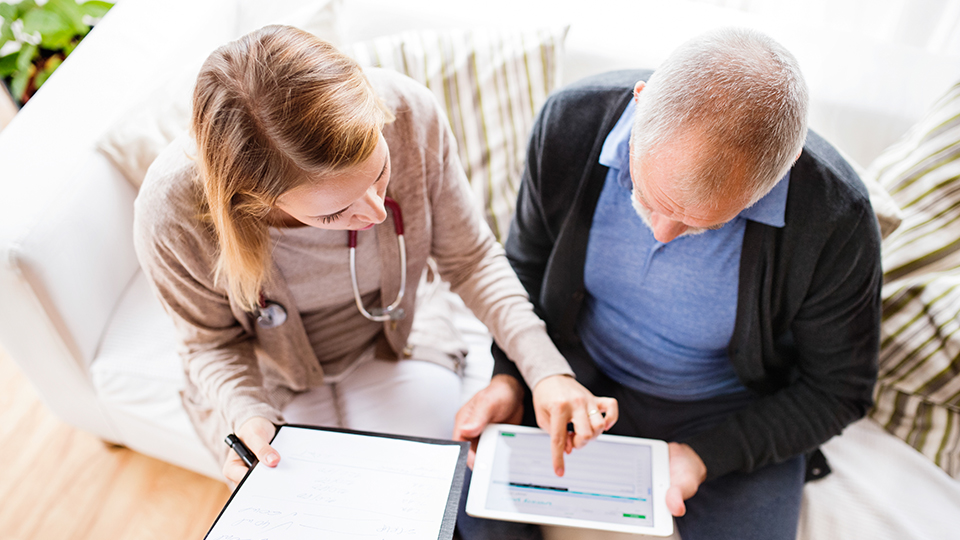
(615, 154)
(772, 208)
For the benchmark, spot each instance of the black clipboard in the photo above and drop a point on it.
(448, 522)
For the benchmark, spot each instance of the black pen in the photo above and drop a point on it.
(241, 449)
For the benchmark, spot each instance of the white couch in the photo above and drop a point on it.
(78, 318)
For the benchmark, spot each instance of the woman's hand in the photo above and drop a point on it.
(501, 402)
(559, 400)
(256, 433)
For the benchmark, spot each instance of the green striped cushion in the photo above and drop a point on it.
(920, 172)
(491, 82)
(921, 337)
(930, 428)
(918, 393)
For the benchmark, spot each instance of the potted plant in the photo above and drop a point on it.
(36, 38)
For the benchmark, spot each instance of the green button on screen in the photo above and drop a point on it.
(638, 516)
(505, 434)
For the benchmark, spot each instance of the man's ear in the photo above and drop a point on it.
(798, 155)
(637, 88)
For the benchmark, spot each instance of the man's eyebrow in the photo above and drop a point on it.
(714, 227)
(379, 177)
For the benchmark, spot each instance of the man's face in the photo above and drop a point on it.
(662, 206)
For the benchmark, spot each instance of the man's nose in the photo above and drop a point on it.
(372, 209)
(665, 229)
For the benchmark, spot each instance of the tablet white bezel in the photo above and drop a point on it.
(483, 470)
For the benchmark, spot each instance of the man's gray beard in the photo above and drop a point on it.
(645, 217)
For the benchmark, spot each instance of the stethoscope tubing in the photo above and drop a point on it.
(390, 312)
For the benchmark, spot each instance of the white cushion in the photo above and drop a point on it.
(137, 375)
(874, 492)
(136, 367)
(139, 136)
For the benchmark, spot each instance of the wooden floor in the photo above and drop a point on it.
(58, 483)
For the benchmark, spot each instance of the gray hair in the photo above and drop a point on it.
(739, 98)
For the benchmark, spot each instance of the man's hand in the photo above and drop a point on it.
(501, 402)
(256, 433)
(687, 472)
(559, 400)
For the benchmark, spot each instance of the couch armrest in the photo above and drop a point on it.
(60, 280)
(66, 248)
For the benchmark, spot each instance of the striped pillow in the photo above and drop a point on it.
(920, 172)
(918, 392)
(491, 82)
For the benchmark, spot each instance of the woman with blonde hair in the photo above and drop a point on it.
(242, 228)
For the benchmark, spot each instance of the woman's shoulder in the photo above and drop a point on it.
(170, 185)
(404, 96)
(169, 200)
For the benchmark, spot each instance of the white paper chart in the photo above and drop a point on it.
(335, 486)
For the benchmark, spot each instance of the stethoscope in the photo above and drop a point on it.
(270, 314)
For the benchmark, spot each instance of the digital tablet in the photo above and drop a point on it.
(613, 483)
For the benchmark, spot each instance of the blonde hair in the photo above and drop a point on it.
(739, 95)
(272, 110)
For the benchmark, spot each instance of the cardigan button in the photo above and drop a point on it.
(407, 351)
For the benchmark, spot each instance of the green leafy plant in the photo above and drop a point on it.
(36, 38)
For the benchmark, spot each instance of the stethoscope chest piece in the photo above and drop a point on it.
(271, 315)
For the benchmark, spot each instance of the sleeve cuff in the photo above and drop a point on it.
(246, 408)
(721, 450)
(537, 357)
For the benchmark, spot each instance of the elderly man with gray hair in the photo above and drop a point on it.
(700, 257)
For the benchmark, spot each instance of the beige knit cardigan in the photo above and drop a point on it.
(236, 370)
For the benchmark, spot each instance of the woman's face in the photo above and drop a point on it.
(348, 200)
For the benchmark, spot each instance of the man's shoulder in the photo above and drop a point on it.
(598, 91)
(822, 168)
(825, 190)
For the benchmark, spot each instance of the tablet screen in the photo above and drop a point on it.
(605, 481)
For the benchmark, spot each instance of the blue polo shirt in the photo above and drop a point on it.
(658, 317)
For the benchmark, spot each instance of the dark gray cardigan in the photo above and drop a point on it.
(806, 336)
